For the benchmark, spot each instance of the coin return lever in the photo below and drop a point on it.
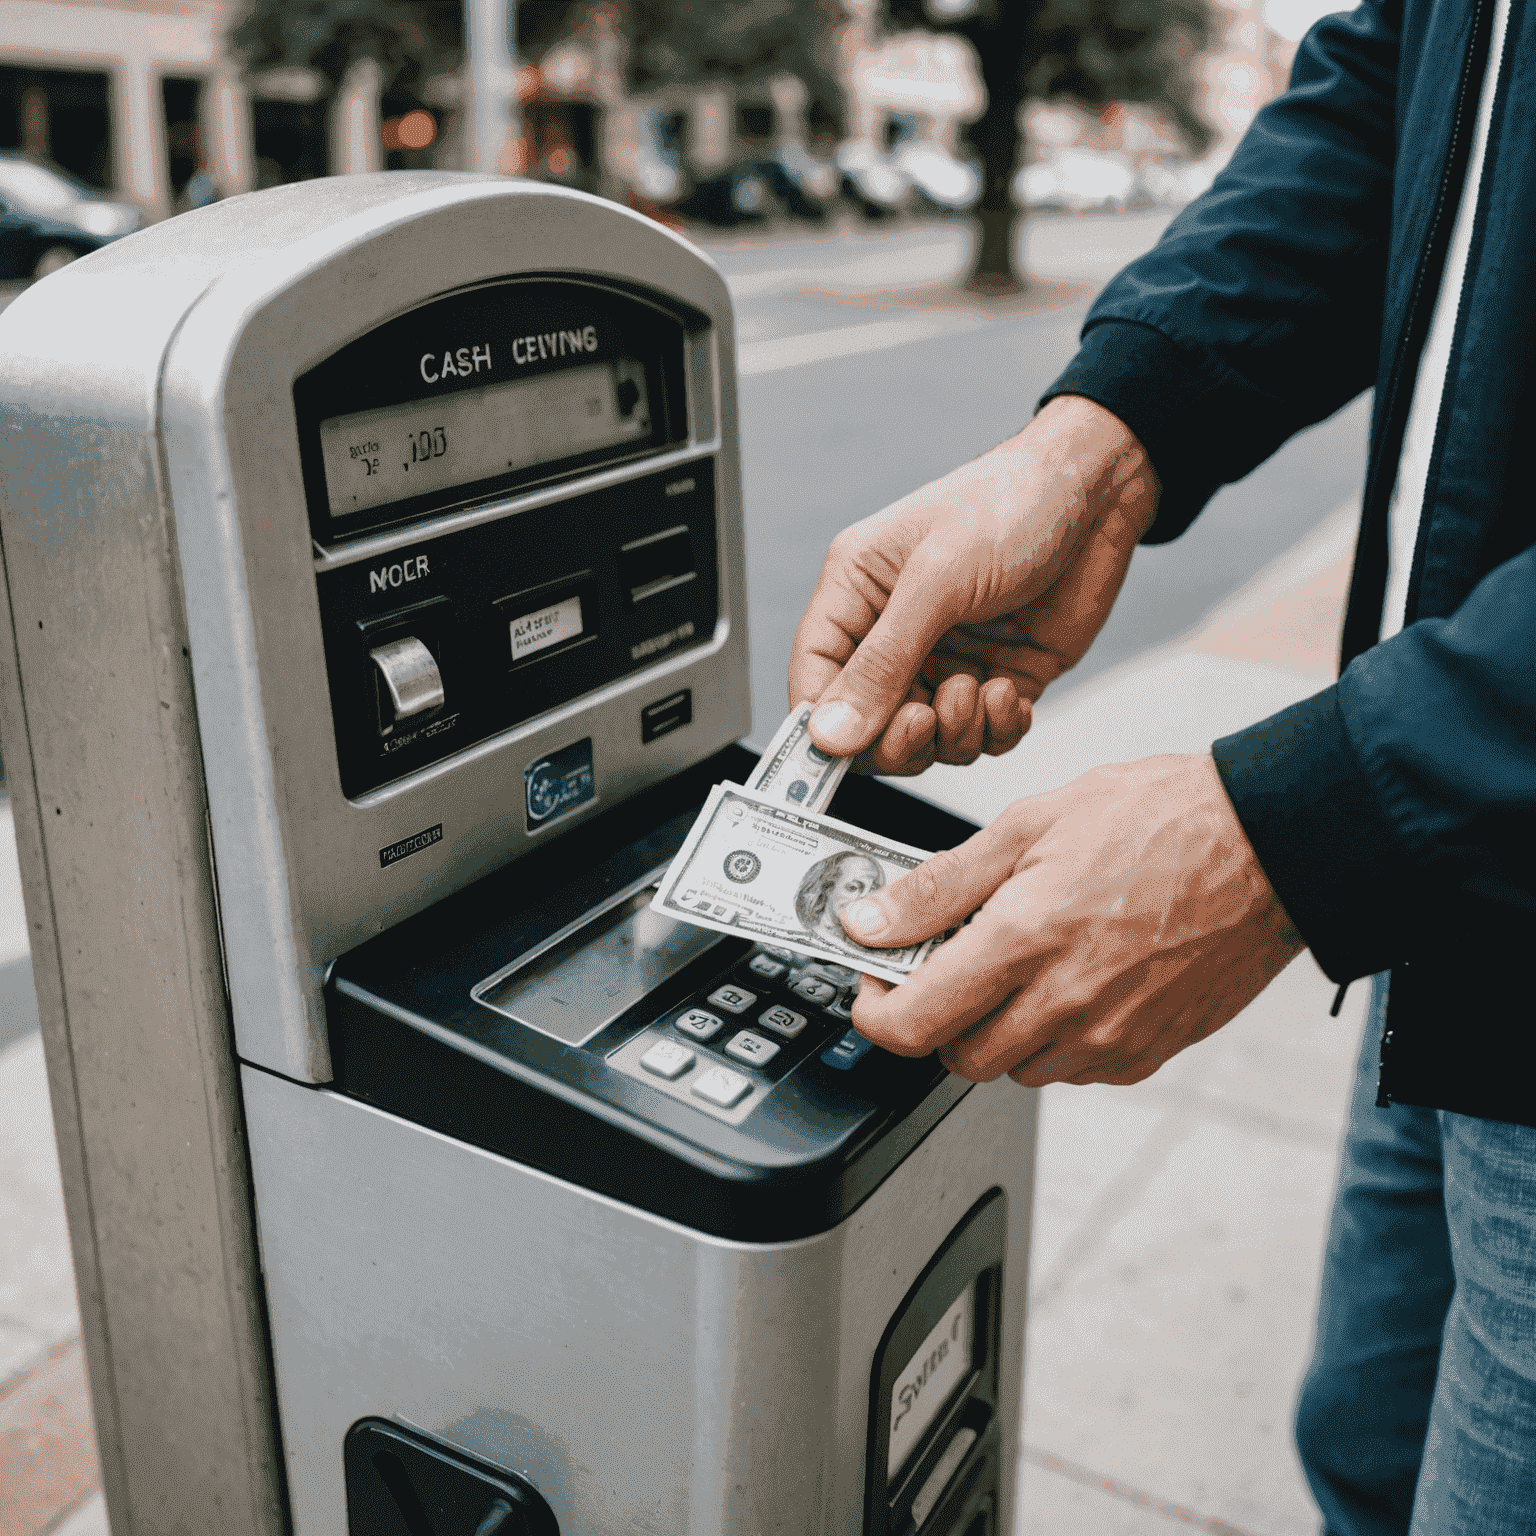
(502, 1202)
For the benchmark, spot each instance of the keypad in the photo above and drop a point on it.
(767, 967)
(719, 1085)
(848, 1052)
(805, 1013)
(732, 999)
(667, 1059)
(782, 1021)
(752, 1049)
(814, 989)
(699, 1025)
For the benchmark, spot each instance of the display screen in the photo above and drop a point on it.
(374, 458)
(925, 1382)
(589, 979)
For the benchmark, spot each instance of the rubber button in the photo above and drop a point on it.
(847, 1052)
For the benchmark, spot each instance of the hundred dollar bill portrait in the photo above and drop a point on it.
(829, 885)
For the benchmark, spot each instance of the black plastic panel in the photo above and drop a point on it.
(460, 594)
(400, 1483)
(407, 1037)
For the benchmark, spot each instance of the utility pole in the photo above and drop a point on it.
(496, 127)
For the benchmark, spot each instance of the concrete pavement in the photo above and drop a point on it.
(1179, 1223)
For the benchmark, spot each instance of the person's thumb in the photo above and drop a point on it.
(939, 894)
(876, 679)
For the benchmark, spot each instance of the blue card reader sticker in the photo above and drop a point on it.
(557, 784)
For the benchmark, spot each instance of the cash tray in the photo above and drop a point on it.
(425, 1023)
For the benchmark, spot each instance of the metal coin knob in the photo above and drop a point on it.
(413, 684)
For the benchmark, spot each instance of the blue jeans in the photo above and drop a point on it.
(1418, 1412)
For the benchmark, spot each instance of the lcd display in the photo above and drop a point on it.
(925, 1383)
(374, 458)
(590, 978)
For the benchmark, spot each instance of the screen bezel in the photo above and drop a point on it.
(375, 371)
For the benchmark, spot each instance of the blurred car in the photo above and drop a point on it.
(1077, 180)
(1174, 181)
(753, 190)
(50, 192)
(32, 246)
(872, 181)
(944, 182)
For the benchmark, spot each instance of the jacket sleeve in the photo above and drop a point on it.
(1388, 807)
(1258, 313)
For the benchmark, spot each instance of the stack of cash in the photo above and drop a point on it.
(762, 861)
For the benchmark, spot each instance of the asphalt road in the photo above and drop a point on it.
(848, 403)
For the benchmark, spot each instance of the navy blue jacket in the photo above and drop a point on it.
(1393, 812)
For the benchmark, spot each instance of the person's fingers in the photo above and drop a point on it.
(856, 708)
(943, 890)
(842, 608)
(906, 746)
(959, 984)
(1008, 716)
(962, 719)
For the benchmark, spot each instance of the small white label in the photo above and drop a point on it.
(535, 632)
(928, 1378)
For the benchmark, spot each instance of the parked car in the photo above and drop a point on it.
(945, 183)
(872, 181)
(49, 191)
(1077, 179)
(32, 246)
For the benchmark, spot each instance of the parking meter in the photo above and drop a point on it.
(374, 575)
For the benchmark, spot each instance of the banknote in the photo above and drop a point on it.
(794, 771)
(773, 873)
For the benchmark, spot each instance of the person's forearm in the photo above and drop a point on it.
(1259, 310)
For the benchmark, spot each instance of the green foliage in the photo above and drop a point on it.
(687, 42)
(1090, 52)
(410, 39)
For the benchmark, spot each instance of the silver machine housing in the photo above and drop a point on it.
(269, 1254)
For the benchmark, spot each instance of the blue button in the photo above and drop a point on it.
(848, 1051)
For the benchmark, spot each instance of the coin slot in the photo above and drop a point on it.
(657, 563)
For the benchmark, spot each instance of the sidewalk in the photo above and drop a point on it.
(1179, 1224)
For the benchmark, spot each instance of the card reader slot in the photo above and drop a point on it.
(657, 563)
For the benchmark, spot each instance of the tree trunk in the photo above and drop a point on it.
(995, 134)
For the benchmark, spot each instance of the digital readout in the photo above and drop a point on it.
(373, 458)
(930, 1376)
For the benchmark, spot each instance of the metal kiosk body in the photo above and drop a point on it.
(374, 576)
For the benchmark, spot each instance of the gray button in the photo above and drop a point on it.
(783, 1021)
(766, 967)
(841, 1008)
(721, 1086)
(814, 990)
(733, 999)
(753, 1048)
(667, 1059)
(701, 1025)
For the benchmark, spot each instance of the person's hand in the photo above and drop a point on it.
(938, 622)
(1122, 918)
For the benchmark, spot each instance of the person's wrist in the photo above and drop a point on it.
(1102, 454)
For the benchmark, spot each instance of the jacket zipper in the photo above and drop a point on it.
(1384, 470)
(1362, 628)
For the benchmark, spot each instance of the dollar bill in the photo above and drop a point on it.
(794, 770)
(769, 872)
